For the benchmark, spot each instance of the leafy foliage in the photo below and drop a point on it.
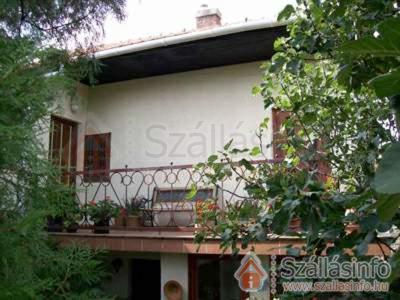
(336, 75)
(102, 210)
(34, 68)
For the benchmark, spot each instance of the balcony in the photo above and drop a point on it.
(160, 193)
(168, 215)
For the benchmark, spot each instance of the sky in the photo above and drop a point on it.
(155, 17)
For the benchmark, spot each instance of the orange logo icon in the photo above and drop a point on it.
(251, 274)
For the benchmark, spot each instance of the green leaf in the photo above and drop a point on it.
(192, 193)
(227, 145)
(278, 61)
(387, 44)
(246, 164)
(286, 13)
(387, 177)
(255, 151)
(344, 73)
(370, 46)
(212, 158)
(369, 222)
(256, 90)
(294, 66)
(362, 248)
(387, 206)
(387, 85)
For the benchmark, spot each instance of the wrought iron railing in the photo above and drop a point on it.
(159, 193)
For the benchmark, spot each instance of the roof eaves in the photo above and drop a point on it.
(186, 37)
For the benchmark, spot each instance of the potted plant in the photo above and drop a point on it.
(72, 217)
(61, 203)
(101, 213)
(206, 211)
(55, 223)
(131, 214)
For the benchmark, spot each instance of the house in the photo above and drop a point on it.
(251, 274)
(159, 106)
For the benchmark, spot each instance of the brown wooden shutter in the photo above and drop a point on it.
(97, 156)
(278, 117)
(323, 167)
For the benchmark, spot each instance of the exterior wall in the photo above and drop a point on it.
(180, 118)
(62, 108)
(175, 267)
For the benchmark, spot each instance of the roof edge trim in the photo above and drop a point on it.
(188, 37)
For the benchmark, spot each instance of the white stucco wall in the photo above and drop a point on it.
(62, 108)
(175, 267)
(180, 118)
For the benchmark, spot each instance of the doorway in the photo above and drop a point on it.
(145, 279)
(211, 277)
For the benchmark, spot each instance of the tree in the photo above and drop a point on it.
(335, 74)
(35, 65)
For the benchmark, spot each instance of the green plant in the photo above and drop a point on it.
(102, 210)
(36, 64)
(72, 215)
(206, 210)
(133, 208)
(247, 210)
(336, 77)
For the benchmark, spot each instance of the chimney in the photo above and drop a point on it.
(207, 18)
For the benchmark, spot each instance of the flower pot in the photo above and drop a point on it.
(55, 224)
(134, 221)
(120, 221)
(73, 228)
(102, 226)
(295, 225)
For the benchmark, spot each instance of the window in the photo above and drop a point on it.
(62, 146)
(97, 157)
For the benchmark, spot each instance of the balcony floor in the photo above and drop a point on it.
(175, 240)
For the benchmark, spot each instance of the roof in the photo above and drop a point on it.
(186, 51)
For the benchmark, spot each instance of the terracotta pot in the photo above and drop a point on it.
(173, 290)
(102, 226)
(120, 221)
(55, 224)
(73, 228)
(295, 225)
(134, 221)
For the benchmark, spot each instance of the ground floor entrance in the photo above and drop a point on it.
(211, 278)
(145, 279)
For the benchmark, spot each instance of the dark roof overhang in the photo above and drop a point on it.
(229, 49)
